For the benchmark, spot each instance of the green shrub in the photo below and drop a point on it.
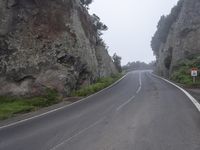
(182, 74)
(10, 105)
(100, 84)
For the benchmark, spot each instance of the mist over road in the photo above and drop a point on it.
(141, 112)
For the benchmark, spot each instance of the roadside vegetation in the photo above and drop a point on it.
(99, 85)
(11, 106)
(182, 72)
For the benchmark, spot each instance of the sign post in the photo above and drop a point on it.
(194, 74)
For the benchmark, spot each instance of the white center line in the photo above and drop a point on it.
(140, 79)
(140, 84)
(138, 90)
(77, 134)
(124, 104)
(130, 99)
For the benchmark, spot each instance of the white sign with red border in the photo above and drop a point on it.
(194, 72)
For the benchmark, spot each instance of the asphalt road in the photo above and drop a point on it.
(141, 112)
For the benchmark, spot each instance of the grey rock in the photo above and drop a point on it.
(183, 38)
(49, 44)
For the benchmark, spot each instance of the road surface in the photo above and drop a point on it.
(141, 112)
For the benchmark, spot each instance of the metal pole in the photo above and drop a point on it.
(194, 79)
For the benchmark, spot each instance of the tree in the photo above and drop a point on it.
(137, 65)
(117, 61)
(99, 26)
(86, 3)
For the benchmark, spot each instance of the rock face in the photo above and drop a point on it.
(183, 36)
(49, 44)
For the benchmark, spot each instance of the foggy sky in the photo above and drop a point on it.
(131, 25)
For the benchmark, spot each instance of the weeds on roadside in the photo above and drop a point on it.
(182, 72)
(11, 105)
(99, 85)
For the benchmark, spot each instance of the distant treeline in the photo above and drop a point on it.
(138, 66)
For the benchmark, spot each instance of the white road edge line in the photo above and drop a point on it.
(60, 108)
(77, 134)
(194, 101)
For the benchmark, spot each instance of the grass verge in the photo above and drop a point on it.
(10, 106)
(99, 85)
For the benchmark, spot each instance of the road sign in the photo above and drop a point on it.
(194, 72)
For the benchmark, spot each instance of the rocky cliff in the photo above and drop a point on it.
(49, 44)
(177, 37)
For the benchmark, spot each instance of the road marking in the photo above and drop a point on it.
(83, 130)
(140, 79)
(125, 103)
(77, 134)
(60, 108)
(140, 84)
(194, 101)
(130, 99)
(138, 90)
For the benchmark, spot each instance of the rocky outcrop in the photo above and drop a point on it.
(182, 40)
(49, 44)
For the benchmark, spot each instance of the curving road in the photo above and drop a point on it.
(141, 112)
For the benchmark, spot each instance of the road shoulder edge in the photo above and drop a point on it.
(194, 101)
(9, 124)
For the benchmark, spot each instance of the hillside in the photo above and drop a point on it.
(176, 42)
(50, 44)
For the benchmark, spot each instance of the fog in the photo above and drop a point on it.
(131, 25)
